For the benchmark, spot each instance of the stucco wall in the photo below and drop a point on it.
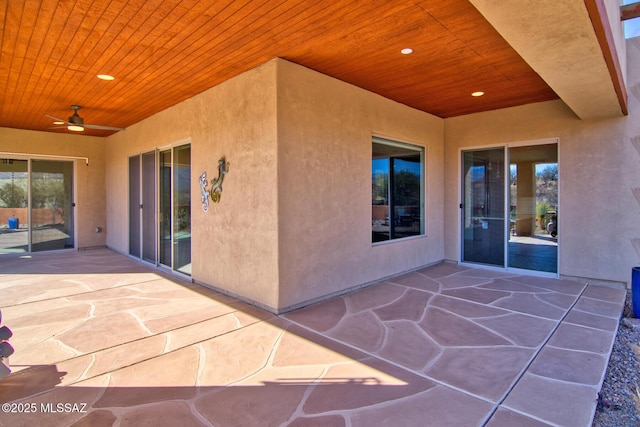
(598, 165)
(234, 244)
(324, 167)
(294, 223)
(89, 180)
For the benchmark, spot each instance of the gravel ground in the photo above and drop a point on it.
(619, 399)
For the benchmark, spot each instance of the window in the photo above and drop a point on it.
(397, 190)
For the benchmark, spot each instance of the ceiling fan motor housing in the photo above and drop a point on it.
(75, 119)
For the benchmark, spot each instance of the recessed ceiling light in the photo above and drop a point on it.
(406, 51)
(479, 93)
(75, 128)
(57, 122)
(105, 77)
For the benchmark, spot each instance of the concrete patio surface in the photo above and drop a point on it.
(103, 340)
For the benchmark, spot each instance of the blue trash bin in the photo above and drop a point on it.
(13, 223)
(635, 291)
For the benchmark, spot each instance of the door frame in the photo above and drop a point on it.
(460, 236)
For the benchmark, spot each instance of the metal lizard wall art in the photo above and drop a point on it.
(204, 198)
(216, 185)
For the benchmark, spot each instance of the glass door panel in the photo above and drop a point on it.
(134, 206)
(533, 206)
(182, 209)
(142, 206)
(483, 213)
(165, 208)
(149, 195)
(51, 205)
(14, 217)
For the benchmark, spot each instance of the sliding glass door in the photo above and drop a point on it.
(36, 205)
(160, 207)
(509, 215)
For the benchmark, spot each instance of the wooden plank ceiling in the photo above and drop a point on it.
(162, 52)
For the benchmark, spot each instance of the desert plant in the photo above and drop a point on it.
(13, 196)
(542, 208)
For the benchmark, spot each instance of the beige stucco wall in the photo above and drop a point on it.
(599, 224)
(89, 180)
(294, 223)
(324, 168)
(234, 244)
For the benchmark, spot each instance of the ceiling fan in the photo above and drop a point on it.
(76, 123)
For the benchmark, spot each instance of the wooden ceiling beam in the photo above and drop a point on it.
(630, 11)
(604, 34)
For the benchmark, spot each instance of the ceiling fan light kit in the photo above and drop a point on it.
(76, 123)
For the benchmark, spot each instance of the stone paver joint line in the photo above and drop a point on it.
(535, 355)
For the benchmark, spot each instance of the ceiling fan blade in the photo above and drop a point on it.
(58, 127)
(101, 127)
(57, 119)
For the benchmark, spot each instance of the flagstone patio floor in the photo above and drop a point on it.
(103, 340)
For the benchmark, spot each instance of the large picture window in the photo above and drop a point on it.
(397, 190)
